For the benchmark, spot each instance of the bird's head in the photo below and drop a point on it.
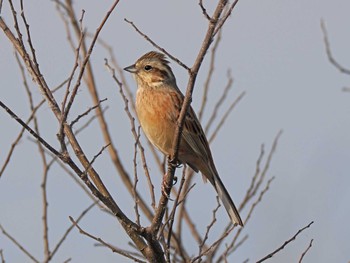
(152, 69)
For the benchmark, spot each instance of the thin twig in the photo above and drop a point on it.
(64, 114)
(114, 249)
(250, 189)
(231, 246)
(46, 165)
(209, 75)
(206, 235)
(285, 243)
(172, 216)
(220, 102)
(331, 59)
(18, 138)
(96, 156)
(267, 164)
(30, 130)
(204, 10)
(183, 214)
(209, 249)
(1, 251)
(86, 112)
(136, 179)
(17, 244)
(66, 233)
(262, 193)
(225, 16)
(224, 117)
(157, 46)
(30, 42)
(234, 248)
(307, 249)
(87, 58)
(89, 121)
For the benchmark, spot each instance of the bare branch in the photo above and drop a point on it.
(136, 179)
(98, 188)
(157, 46)
(114, 249)
(209, 249)
(30, 130)
(209, 76)
(232, 245)
(87, 57)
(206, 235)
(307, 249)
(181, 251)
(63, 238)
(262, 193)
(204, 10)
(220, 102)
(285, 243)
(90, 82)
(259, 175)
(230, 250)
(89, 121)
(224, 117)
(17, 244)
(64, 115)
(183, 214)
(225, 16)
(331, 59)
(86, 112)
(2, 257)
(267, 164)
(249, 192)
(18, 138)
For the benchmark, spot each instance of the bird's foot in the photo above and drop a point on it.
(164, 192)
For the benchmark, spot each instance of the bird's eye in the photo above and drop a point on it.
(148, 67)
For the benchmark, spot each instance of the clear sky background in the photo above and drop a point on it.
(276, 52)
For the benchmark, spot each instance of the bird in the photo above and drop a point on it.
(158, 105)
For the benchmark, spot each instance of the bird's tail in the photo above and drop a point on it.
(226, 200)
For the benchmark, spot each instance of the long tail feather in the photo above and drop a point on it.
(227, 201)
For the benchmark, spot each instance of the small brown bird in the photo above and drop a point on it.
(158, 105)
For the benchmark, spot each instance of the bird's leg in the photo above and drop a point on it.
(164, 182)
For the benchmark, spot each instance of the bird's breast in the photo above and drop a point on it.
(157, 113)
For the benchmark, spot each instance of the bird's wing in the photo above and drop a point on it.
(199, 155)
(194, 135)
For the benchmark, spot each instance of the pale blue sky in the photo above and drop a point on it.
(276, 52)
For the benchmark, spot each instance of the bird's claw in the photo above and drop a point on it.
(165, 193)
(175, 180)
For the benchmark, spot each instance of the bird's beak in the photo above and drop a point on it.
(131, 69)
